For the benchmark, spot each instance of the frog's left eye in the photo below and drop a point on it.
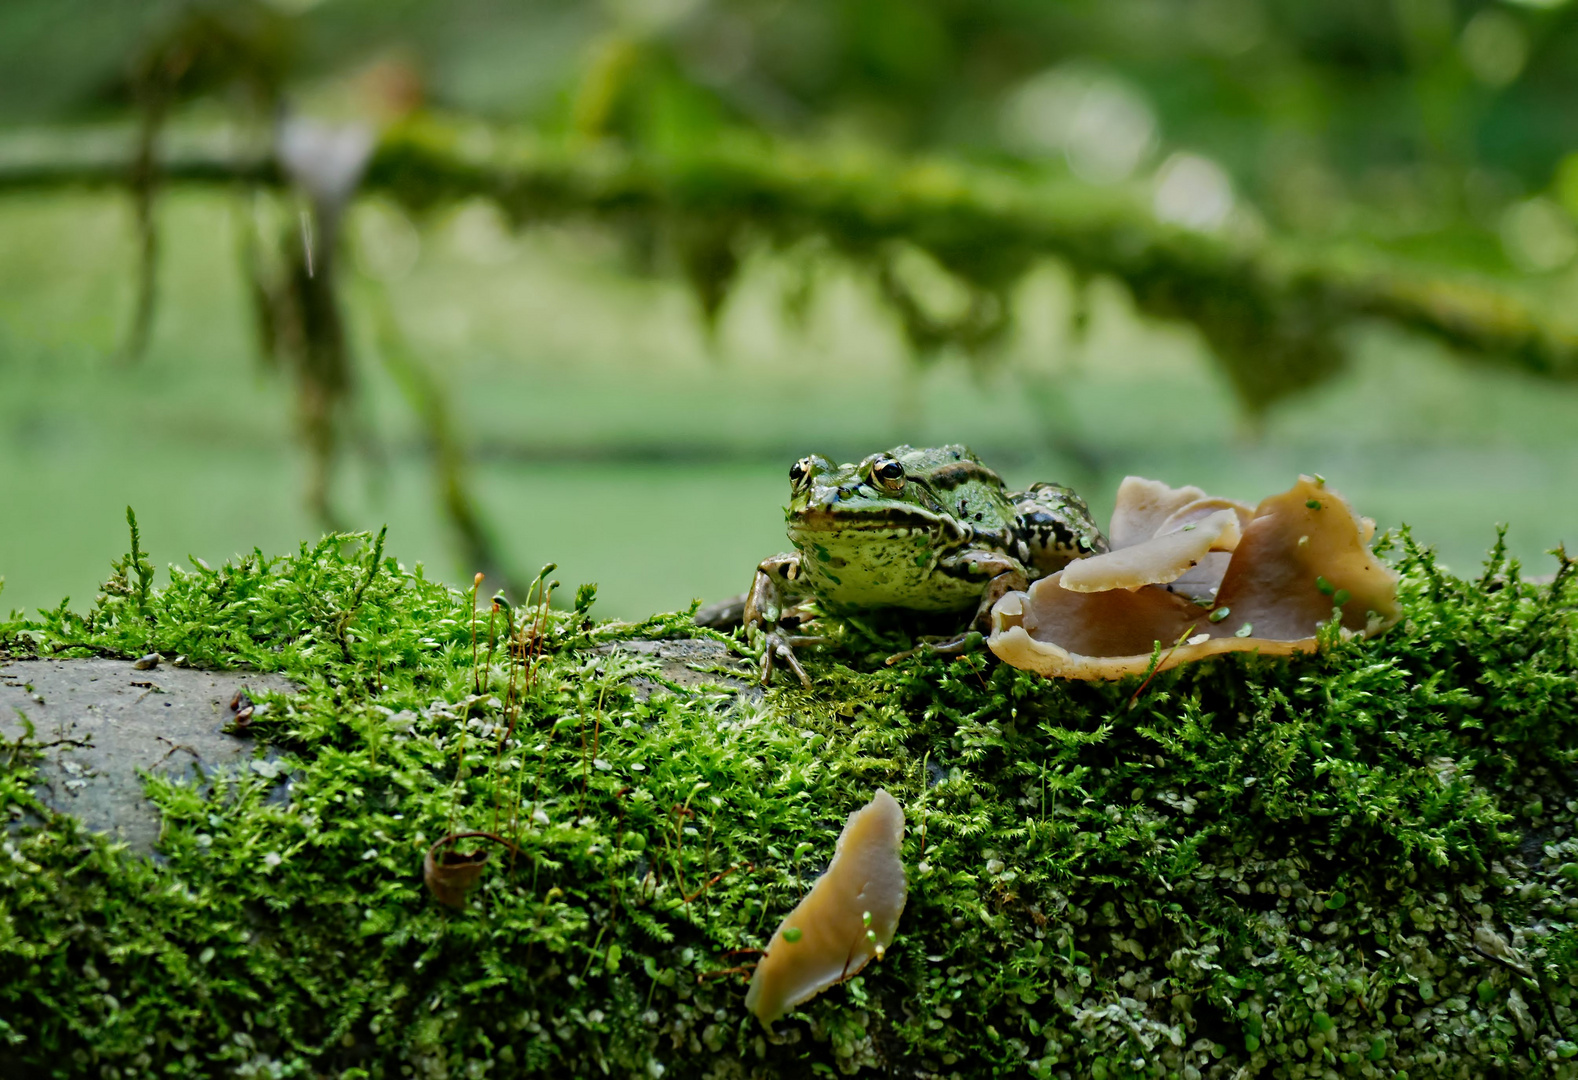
(888, 473)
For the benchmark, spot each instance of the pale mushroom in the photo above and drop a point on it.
(1160, 559)
(1302, 555)
(849, 916)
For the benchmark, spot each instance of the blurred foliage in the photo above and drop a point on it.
(1421, 126)
(1268, 173)
(947, 243)
(1271, 90)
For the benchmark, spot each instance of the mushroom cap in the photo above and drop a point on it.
(1162, 558)
(1147, 508)
(1299, 554)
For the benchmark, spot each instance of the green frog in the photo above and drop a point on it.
(928, 529)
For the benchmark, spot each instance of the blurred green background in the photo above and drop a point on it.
(617, 397)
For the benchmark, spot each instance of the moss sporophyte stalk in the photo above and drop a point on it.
(1355, 862)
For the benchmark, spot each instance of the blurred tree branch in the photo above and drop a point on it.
(1273, 310)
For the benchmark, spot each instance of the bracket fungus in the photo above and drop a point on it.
(849, 916)
(1203, 575)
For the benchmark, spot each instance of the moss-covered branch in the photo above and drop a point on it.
(1274, 314)
(1359, 862)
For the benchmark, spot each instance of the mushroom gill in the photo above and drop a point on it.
(1299, 555)
(849, 916)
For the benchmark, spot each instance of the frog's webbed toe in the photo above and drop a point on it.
(958, 645)
(781, 647)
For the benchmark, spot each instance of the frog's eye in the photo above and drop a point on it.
(888, 473)
(800, 472)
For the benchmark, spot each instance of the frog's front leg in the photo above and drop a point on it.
(1003, 573)
(777, 584)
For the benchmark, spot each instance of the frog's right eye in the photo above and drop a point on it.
(889, 473)
(800, 472)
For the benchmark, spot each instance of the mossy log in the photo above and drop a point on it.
(1360, 862)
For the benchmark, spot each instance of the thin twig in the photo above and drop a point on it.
(710, 882)
(1156, 665)
(451, 838)
(724, 972)
(1531, 976)
(680, 814)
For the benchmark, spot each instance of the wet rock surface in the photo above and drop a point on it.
(691, 663)
(103, 723)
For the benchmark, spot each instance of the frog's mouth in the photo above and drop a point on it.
(885, 522)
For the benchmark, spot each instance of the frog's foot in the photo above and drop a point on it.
(782, 647)
(1007, 576)
(774, 605)
(969, 641)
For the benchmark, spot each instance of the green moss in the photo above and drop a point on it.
(1353, 863)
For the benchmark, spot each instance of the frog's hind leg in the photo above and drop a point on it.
(1055, 526)
(966, 642)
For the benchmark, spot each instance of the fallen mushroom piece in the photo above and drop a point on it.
(1303, 554)
(849, 916)
(1155, 561)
